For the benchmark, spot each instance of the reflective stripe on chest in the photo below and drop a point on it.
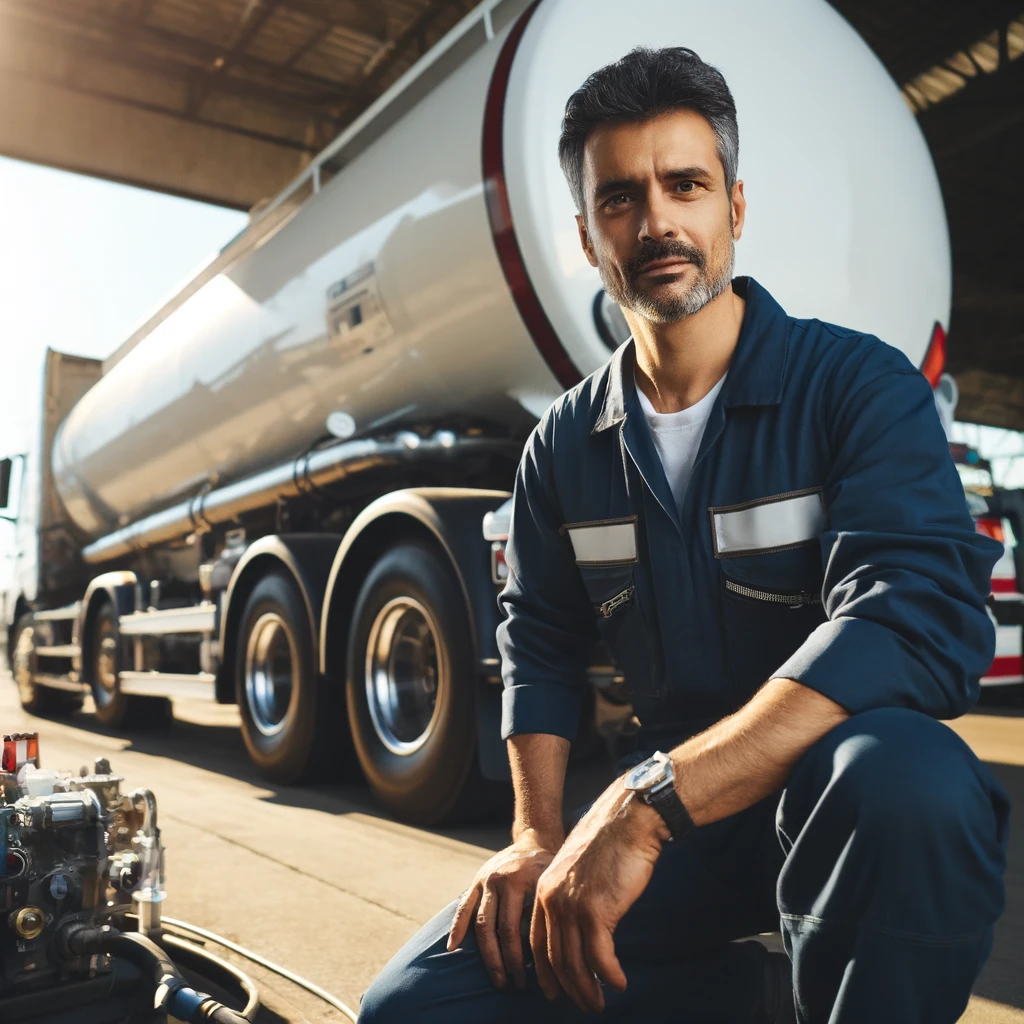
(603, 541)
(774, 523)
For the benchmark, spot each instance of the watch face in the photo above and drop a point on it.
(646, 774)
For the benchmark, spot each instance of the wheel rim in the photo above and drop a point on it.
(405, 674)
(105, 677)
(23, 665)
(270, 665)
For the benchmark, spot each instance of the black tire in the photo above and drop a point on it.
(288, 720)
(433, 777)
(115, 709)
(35, 699)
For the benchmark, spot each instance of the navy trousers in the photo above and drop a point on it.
(882, 863)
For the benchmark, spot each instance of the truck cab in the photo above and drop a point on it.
(994, 511)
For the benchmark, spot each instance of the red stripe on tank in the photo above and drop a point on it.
(499, 212)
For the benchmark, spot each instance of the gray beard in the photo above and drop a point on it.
(675, 307)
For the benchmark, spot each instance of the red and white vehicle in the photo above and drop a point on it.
(1006, 602)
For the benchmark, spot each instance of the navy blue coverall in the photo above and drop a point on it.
(824, 538)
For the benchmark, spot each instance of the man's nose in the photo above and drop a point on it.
(658, 223)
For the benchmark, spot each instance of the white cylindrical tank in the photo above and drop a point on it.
(439, 273)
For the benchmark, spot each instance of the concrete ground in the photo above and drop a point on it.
(318, 880)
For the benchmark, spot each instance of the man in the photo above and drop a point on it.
(760, 516)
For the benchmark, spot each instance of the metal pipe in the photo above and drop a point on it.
(148, 800)
(288, 480)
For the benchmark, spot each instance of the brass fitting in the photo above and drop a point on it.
(29, 922)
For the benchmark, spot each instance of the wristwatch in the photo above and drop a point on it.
(653, 783)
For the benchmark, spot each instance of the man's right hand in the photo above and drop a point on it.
(497, 896)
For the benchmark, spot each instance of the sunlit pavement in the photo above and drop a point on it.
(318, 880)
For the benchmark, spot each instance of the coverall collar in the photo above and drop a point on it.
(756, 373)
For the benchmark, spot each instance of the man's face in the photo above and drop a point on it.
(660, 223)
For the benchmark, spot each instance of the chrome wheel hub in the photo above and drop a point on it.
(105, 677)
(271, 662)
(405, 675)
(22, 659)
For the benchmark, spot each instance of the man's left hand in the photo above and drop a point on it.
(597, 875)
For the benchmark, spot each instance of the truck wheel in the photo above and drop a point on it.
(410, 689)
(115, 709)
(35, 699)
(287, 719)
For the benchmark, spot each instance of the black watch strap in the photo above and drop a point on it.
(665, 800)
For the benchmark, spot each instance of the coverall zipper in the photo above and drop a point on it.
(796, 600)
(608, 607)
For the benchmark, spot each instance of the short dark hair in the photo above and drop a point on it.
(642, 85)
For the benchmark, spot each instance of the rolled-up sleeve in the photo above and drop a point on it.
(906, 574)
(548, 629)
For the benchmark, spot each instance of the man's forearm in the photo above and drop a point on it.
(750, 754)
(538, 763)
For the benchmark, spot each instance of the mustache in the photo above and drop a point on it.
(652, 250)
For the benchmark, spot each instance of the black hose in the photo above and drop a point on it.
(213, 967)
(173, 993)
(191, 930)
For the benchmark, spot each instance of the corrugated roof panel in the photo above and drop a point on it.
(213, 21)
(284, 32)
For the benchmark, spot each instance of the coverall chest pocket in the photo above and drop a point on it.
(771, 603)
(621, 623)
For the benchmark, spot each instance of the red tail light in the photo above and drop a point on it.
(19, 749)
(499, 570)
(991, 528)
(935, 358)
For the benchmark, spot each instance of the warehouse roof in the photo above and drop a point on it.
(226, 100)
(961, 66)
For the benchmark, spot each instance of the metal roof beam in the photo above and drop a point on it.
(392, 53)
(956, 125)
(192, 75)
(254, 17)
(123, 29)
(366, 19)
(314, 40)
(157, 108)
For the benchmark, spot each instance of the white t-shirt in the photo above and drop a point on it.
(677, 437)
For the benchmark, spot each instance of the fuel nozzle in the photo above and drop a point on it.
(151, 893)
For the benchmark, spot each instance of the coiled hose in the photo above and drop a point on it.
(147, 955)
(173, 993)
(191, 930)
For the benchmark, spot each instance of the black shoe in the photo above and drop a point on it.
(777, 1007)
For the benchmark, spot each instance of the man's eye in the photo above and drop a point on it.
(686, 186)
(618, 200)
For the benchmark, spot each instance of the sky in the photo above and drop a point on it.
(82, 261)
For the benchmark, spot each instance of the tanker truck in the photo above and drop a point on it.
(289, 488)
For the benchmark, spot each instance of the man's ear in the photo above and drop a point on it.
(739, 210)
(588, 247)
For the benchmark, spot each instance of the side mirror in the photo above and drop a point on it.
(5, 481)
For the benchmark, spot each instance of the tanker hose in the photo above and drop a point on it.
(173, 994)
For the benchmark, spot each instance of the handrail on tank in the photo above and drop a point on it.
(482, 12)
(216, 262)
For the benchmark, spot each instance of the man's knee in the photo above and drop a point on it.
(905, 775)
(896, 802)
(412, 982)
(384, 1003)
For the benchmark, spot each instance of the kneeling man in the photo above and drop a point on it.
(760, 517)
